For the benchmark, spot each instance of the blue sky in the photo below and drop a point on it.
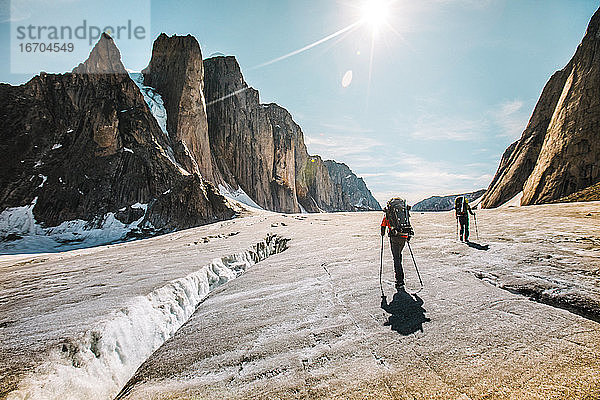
(452, 82)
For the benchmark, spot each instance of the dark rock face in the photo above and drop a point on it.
(445, 203)
(259, 148)
(176, 71)
(359, 196)
(80, 145)
(559, 151)
(591, 193)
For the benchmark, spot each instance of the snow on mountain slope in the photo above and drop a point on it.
(514, 202)
(23, 234)
(238, 195)
(306, 323)
(153, 99)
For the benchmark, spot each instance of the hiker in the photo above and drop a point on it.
(396, 220)
(462, 210)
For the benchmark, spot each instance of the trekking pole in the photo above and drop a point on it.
(416, 268)
(457, 227)
(381, 269)
(476, 230)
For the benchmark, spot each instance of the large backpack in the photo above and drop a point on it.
(398, 216)
(460, 205)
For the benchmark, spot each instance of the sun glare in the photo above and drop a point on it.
(375, 13)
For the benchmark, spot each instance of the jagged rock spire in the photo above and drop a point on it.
(104, 58)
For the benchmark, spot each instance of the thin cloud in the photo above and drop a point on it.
(341, 146)
(416, 178)
(348, 128)
(511, 118)
(448, 128)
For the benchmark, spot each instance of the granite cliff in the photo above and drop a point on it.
(260, 149)
(559, 151)
(176, 71)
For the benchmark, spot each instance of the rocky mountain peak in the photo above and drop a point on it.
(176, 71)
(593, 29)
(104, 58)
(228, 68)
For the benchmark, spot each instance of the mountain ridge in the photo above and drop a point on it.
(445, 203)
(87, 149)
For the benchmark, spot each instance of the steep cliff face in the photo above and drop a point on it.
(559, 151)
(259, 148)
(81, 145)
(176, 72)
(250, 151)
(351, 186)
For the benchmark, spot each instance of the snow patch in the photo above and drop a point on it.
(476, 203)
(154, 101)
(140, 205)
(44, 179)
(29, 236)
(361, 203)
(56, 146)
(170, 155)
(98, 364)
(189, 154)
(514, 202)
(127, 150)
(238, 195)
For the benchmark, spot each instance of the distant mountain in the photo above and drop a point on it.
(354, 188)
(445, 203)
(559, 151)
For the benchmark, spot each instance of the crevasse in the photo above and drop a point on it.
(99, 362)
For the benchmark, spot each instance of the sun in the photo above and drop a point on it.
(375, 13)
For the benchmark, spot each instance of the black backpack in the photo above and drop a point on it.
(398, 216)
(460, 205)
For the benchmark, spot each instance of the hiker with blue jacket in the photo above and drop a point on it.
(396, 220)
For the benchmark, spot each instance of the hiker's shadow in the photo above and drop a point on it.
(478, 246)
(407, 313)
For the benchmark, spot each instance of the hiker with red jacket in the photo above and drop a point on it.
(396, 220)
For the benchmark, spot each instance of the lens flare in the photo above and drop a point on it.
(347, 79)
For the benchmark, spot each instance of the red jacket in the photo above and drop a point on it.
(386, 224)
